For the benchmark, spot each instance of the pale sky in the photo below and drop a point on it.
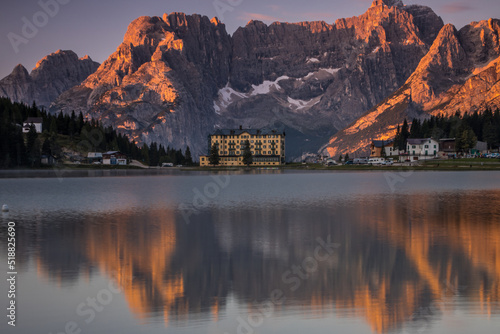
(97, 28)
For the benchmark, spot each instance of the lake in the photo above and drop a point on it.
(255, 252)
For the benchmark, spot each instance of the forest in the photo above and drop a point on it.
(467, 129)
(63, 133)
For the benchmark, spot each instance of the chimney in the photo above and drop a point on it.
(241, 127)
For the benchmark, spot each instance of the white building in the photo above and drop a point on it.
(387, 145)
(114, 158)
(35, 121)
(422, 148)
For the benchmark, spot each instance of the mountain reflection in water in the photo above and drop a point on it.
(402, 262)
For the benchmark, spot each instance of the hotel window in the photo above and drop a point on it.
(426, 146)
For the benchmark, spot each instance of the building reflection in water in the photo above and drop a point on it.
(402, 261)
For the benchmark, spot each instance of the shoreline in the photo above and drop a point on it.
(102, 172)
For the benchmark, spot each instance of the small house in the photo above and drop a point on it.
(421, 148)
(35, 121)
(379, 146)
(447, 145)
(447, 148)
(114, 158)
(94, 157)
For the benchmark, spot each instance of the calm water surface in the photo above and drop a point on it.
(273, 252)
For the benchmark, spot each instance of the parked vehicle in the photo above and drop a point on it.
(377, 161)
(350, 162)
(360, 161)
(331, 162)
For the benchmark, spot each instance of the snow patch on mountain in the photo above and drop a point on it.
(267, 86)
(320, 72)
(312, 60)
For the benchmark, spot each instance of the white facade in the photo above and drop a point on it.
(391, 151)
(114, 158)
(114, 161)
(36, 124)
(422, 148)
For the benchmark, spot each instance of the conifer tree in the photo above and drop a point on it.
(247, 153)
(214, 155)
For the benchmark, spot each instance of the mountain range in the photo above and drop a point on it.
(332, 87)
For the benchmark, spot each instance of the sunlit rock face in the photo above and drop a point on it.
(315, 78)
(160, 83)
(176, 78)
(459, 73)
(51, 76)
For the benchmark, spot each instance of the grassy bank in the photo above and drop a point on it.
(436, 165)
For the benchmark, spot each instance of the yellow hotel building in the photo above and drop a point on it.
(267, 147)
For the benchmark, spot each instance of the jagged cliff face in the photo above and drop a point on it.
(314, 78)
(51, 76)
(175, 79)
(160, 83)
(459, 73)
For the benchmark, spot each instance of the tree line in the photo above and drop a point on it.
(72, 132)
(467, 129)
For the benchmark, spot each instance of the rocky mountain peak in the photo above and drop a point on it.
(388, 3)
(176, 19)
(446, 53)
(19, 73)
(458, 74)
(215, 21)
(145, 31)
(481, 40)
(51, 76)
(58, 58)
(175, 78)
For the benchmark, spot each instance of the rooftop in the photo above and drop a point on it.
(34, 120)
(418, 141)
(382, 143)
(237, 132)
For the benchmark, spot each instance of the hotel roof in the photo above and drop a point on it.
(237, 132)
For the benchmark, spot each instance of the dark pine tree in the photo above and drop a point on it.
(214, 155)
(247, 153)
